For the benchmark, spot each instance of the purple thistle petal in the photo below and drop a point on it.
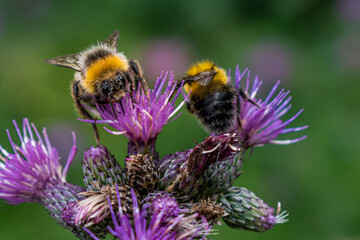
(161, 203)
(263, 125)
(143, 118)
(178, 227)
(70, 157)
(34, 164)
(91, 234)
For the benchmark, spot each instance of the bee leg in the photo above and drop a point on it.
(113, 109)
(82, 111)
(238, 111)
(131, 87)
(135, 68)
(190, 107)
(240, 125)
(86, 115)
(245, 96)
(122, 108)
(242, 129)
(178, 85)
(139, 79)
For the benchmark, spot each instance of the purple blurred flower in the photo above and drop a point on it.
(165, 54)
(139, 228)
(263, 125)
(347, 52)
(58, 132)
(271, 59)
(34, 165)
(349, 10)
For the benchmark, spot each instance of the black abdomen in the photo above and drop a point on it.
(216, 111)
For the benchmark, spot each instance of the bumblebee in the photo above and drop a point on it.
(213, 100)
(102, 75)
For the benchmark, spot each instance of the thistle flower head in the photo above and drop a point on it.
(34, 164)
(161, 202)
(213, 149)
(263, 125)
(142, 118)
(182, 174)
(138, 227)
(94, 208)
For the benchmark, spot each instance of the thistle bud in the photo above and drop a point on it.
(221, 175)
(101, 169)
(141, 173)
(247, 211)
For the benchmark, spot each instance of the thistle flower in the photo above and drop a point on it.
(161, 202)
(94, 208)
(33, 168)
(263, 125)
(247, 211)
(138, 228)
(142, 120)
(33, 173)
(183, 173)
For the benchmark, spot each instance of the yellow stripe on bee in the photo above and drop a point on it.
(101, 67)
(219, 79)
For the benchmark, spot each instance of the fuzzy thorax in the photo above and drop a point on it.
(220, 79)
(106, 66)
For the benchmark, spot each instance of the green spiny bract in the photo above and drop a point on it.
(246, 211)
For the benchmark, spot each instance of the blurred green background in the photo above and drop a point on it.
(313, 46)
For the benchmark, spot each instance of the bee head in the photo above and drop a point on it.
(113, 87)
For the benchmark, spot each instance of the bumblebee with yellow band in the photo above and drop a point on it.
(102, 75)
(213, 100)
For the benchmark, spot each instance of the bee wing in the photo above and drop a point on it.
(203, 78)
(69, 61)
(112, 40)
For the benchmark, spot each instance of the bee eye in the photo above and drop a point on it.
(119, 79)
